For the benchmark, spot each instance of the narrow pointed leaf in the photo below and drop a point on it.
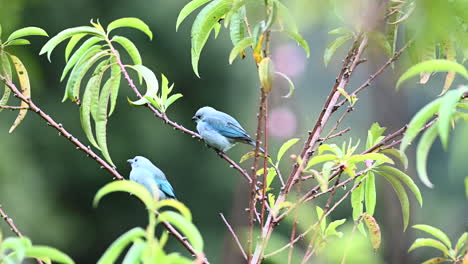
(374, 230)
(429, 242)
(65, 34)
(187, 228)
(332, 47)
(5, 70)
(237, 28)
(265, 74)
(370, 196)
(115, 73)
(437, 233)
(135, 252)
(188, 9)
(202, 26)
(130, 48)
(285, 147)
(82, 51)
(405, 179)
(402, 196)
(85, 109)
(25, 89)
(239, 48)
(53, 254)
(331, 228)
(27, 31)
(291, 84)
(152, 84)
(126, 186)
(462, 241)
(450, 53)
(116, 248)
(422, 152)
(357, 199)
(320, 158)
(432, 66)
(435, 260)
(446, 110)
(172, 99)
(418, 121)
(71, 44)
(399, 155)
(132, 23)
(300, 41)
(182, 208)
(19, 42)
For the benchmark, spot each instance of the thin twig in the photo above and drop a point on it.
(236, 238)
(13, 227)
(13, 107)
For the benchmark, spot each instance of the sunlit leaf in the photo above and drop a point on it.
(370, 193)
(374, 230)
(402, 196)
(50, 253)
(182, 208)
(71, 44)
(265, 73)
(332, 47)
(462, 241)
(300, 41)
(285, 147)
(126, 186)
(19, 42)
(405, 179)
(202, 26)
(115, 249)
(25, 90)
(131, 22)
(429, 242)
(152, 84)
(320, 158)
(130, 48)
(399, 155)
(80, 53)
(422, 152)
(135, 252)
(237, 28)
(432, 66)
(27, 31)
(446, 110)
(437, 233)
(188, 9)
(331, 228)
(239, 48)
(172, 99)
(186, 227)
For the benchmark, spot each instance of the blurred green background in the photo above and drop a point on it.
(47, 186)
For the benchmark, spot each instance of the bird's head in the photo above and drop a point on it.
(140, 161)
(202, 112)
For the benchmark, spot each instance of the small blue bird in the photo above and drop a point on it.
(220, 130)
(147, 174)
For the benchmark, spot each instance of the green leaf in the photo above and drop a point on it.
(370, 193)
(402, 196)
(202, 26)
(399, 155)
(115, 249)
(115, 85)
(19, 42)
(320, 158)
(17, 245)
(184, 211)
(374, 134)
(291, 84)
(85, 109)
(447, 108)
(152, 84)
(432, 66)
(370, 156)
(265, 74)
(357, 199)
(406, 180)
(27, 31)
(323, 223)
(131, 22)
(285, 147)
(437, 233)
(462, 241)
(25, 90)
(81, 52)
(48, 252)
(286, 17)
(418, 121)
(331, 228)
(135, 252)
(186, 227)
(72, 43)
(300, 41)
(130, 48)
(429, 242)
(239, 48)
(374, 230)
(422, 152)
(127, 186)
(332, 47)
(188, 9)
(172, 99)
(237, 28)
(65, 34)
(5, 70)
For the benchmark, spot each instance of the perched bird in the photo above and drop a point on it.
(147, 174)
(220, 130)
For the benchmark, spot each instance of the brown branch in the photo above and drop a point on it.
(13, 227)
(13, 107)
(236, 238)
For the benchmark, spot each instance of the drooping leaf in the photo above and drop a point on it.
(437, 233)
(429, 242)
(130, 22)
(172, 99)
(370, 156)
(65, 34)
(130, 48)
(405, 179)
(187, 228)
(422, 152)
(126, 186)
(19, 42)
(399, 155)
(332, 47)
(188, 9)
(202, 26)
(300, 41)
(135, 252)
(5, 70)
(402, 196)
(85, 109)
(370, 196)
(265, 74)
(432, 66)
(115, 249)
(114, 89)
(331, 228)
(357, 199)
(462, 241)
(182, 208)
(81, 52)
(152, 84)
(27, 31)
(418, 121)
(285, 147)
(71, 44)
(53, 254)
(25, 89)
(374, 230)
(237, 28)
(323, 223)
(291, 84)
(446, 110)
(239, 48)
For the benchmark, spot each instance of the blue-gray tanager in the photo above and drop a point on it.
(147, 174)
(220, 130)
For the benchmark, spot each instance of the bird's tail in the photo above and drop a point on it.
(251, 142)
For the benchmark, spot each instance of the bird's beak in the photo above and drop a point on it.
(194, 118)
(130, 161)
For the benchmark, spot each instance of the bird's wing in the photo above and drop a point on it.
(228, 127)
(166, 188)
